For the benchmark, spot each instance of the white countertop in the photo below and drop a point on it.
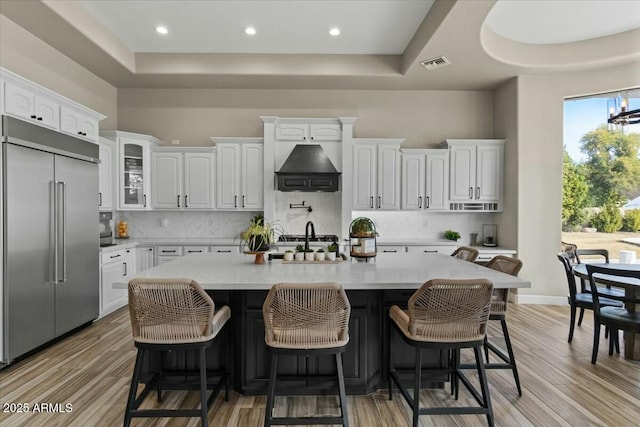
(409, 271)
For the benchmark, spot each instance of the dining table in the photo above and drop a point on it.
(631, 288)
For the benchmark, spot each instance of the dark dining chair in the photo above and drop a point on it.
(615, 318)
(595, 255)
(582, 300)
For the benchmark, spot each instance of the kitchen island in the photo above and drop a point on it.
(371, 288)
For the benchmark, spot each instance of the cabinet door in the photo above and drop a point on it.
(70, 122)
(328, 132)
(437, 180)
(292, 132)
(489, 173)
(252, 177)
(413, 182)
(446, 250)
(133, 158)
(19, 101)
(166, 259)
(166, 180)
(89, 128)
(47, 112)
(462, 173)
(198, 180)
(105, 177)
(225, 250)
(130, 263)
(364, 176)
(112, 299)
(144, 258)
(388, 177)
(227, 176)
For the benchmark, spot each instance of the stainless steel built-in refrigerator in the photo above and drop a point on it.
(50, 241)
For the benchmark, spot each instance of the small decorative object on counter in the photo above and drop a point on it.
(299, 253)
(308, 255)
(331, 252)
(489, 235)
(362, 234)
(319, 255)
(288, 255)
(451, 235)
(123, 230)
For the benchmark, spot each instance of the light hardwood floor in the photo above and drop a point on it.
(92, 369)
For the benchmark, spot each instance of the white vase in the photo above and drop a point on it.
(299, 256)
(288, 256)
(319, 256)
(308, 256)
(331, 256)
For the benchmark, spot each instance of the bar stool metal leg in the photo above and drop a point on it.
(484, 385)
(133, 390)
(416, 387)
(341, 390)
(268, 415)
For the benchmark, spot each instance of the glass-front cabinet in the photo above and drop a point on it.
(134, 169)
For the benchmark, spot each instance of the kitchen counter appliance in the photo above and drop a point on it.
(106, 229)
(50, 253)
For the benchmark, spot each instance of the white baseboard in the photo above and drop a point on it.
(540, 299)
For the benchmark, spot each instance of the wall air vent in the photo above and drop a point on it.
(432, 63)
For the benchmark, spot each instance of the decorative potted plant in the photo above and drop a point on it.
(451, 235)
(319, 255)
(259, 236)
(299, 253)
(308, 254)
(331, 251)
(288, 255)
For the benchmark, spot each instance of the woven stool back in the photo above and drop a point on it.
(445, 310)
(507, 265)
(465, 253)
(169, 311)
(306, 316)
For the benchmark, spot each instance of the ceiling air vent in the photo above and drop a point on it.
(432, 63)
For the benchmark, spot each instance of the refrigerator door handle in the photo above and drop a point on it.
(64, 230)
(54, 188)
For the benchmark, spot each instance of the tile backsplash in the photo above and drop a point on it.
(178, 224)
(325, 214)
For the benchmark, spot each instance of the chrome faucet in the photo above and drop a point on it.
(306, 234)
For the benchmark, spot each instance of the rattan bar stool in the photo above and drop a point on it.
(306, 319)
(445, 315)
(465, 253)
(499, 304)
(174, 314)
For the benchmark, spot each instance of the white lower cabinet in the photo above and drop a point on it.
(225, 250)
(384, 249)
(165, 254)
(195, 249)
(145, 258)
(447, 250)
(115, 267)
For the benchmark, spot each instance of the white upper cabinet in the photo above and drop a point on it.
(134, 171)
(33, 103)
(308, 132)
(376, 174)
(239, 174)
(199, 180)
(425, 177)
(476, 174)
(182, 180)
(106, 175)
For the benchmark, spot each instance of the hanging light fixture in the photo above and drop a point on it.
(620, 115)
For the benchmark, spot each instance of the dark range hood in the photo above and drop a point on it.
(307, 169)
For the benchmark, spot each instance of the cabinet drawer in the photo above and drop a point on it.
(169, 250)
(195, 249)
(447, 250)
(391, 249)
(225, 250)
(113, 256)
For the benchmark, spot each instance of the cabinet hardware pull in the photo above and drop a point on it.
(40, 119)
(225, 251)
(243, 200)
(471, 192)
(430, 251)
(477, 192)
(371, 203)
(79, 133)
(192, 251)
(419, 201)
(150, 249)
(178, 200)
(144, 198)
(379, 202)
(99, 199)
(125, 268)
(168, 252)
(185, 201)
(33, 116)
(428, 202)
(389, 250)
(114, 256)
(235, 201)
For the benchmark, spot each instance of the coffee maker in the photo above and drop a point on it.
(489, 235)
(106, 229)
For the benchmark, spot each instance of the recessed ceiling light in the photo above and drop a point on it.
(250, 31)
(334, 32)
(161, 29)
